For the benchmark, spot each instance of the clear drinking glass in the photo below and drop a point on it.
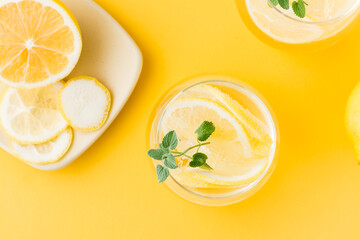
(248, 98)
(326, 21)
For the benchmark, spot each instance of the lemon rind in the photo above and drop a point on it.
(107, 110)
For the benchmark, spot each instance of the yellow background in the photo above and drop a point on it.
(111, 192)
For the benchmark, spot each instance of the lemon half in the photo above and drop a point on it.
(40, 42)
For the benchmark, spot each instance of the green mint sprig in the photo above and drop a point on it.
(166, 151)
(298, 6)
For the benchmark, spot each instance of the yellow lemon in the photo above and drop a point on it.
(352, 119)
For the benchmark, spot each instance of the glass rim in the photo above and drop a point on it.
(347, 13)
(266, 110)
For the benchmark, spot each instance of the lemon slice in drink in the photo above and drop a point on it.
(186, 115)
(31, 116)
(253, 125)
(230, 151)
(85, 103)
(44, 153)
(198, 178)
(40, 42)
(193, 180)
(259, 136)
(282, 28)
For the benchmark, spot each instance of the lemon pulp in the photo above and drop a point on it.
(40, 42)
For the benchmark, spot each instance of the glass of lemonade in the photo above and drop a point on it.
(325, 21)
(242, 151)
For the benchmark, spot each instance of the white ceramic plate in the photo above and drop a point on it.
(110, 55)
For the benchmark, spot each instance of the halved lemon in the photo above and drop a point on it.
(85, 103)
(31, 116)
(44, 153)
(40, 42)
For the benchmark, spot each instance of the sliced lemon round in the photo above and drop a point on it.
(187, 114)
(85, 103)
(40, 42)
(44, 153)
(31, 116)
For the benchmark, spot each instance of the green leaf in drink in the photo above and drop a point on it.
(162, 173)
(205, 130)
(170, 161)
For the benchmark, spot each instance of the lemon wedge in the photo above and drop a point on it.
(85, 103)
(31, 116)
(44, 153)
(352, 119)
(40, 42)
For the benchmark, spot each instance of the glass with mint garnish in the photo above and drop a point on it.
(299, 22)
(213, 141)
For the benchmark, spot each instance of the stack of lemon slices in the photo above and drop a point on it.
(40, 44)
(240, 147)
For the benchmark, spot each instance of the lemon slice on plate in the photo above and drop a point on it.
(85, 103)
(31, 116)
(44, 153)
(40, 42)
